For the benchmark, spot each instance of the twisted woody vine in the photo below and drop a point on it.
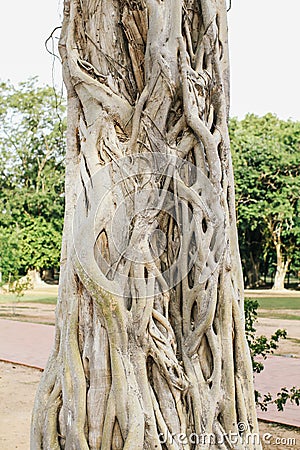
(150, 338)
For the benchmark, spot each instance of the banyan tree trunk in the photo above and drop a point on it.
(150, 351)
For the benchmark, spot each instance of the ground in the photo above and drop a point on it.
(44, 313)
(28, 312)
(18, 384)
(17, 389)
(277, 437)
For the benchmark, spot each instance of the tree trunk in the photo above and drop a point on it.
(35, 279)
(150, 351)
(282, 266)
(253, 271)
(282, 262)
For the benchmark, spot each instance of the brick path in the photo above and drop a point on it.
(30, 344)
(25, 343)
(279, 372)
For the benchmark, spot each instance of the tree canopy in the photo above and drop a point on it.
(266, 158)
(267, 174)
(32, 147)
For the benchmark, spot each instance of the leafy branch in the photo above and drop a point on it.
(262, 346)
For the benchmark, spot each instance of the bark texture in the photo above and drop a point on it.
(150, 343)
(283, 260)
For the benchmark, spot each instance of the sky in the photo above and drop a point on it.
(264, 42)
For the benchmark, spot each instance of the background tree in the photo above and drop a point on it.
(32, 146)
(267, 168)
(150, 339)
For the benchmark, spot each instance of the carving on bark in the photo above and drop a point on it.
(149, 324)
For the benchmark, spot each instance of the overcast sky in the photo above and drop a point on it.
(264, 38)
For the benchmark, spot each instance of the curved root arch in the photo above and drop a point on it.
(149, 336)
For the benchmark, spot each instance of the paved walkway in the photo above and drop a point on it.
(30, 344)
(279, 372)
(25, 343)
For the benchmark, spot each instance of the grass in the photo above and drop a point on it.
(267, 303)
(278, 307)
(278, 303)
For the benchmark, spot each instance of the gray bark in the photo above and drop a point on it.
(282, 259)
(150, 338)
(282, 265)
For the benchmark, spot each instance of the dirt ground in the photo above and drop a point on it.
(17, 390)
(18, 384)
(274, 436)
(287, 347)
(28, 312)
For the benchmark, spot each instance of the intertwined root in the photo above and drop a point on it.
(150, 339)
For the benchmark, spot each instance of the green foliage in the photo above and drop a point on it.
(40, 243)
(32, 147)
(293, 395)
(19, 286)
(266, 160)
(261, 346)
(282, 397)
(267, 167)
(17, 289)
(10, 253)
